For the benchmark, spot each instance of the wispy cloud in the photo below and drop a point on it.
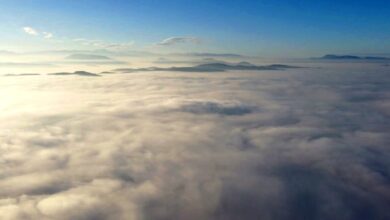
(100, 44)
(35, 32)
(176, 40)
(104, 44)
(30, 31)
(47, 35)
(119, 46)
(88, 42)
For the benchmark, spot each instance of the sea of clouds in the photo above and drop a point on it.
(309, 143)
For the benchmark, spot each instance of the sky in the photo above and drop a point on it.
(259, 28)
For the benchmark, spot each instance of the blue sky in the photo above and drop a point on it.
(263, 28)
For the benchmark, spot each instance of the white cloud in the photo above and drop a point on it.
(87, 42)
(104, 44)
(47, 35)
(119, 46)
(34, 32)
(30, 31)
(176, 40)
(95, 43)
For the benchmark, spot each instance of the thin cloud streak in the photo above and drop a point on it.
(47, 35)
(104, 44)
(178, 40)
(34, 32)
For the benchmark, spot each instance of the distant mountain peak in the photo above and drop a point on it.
(212, 67)
(78, 73)
(351, 57)
(244, 63)
(332, 56)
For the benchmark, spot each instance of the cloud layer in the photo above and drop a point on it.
(294, 144)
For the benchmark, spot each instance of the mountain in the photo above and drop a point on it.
(241, 66)
(350, 57)
(210, 67)
(226, 55)
(377, 58)
(78, 73)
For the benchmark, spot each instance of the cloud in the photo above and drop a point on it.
(86, 57)
(87, 42)
(30, 31)
(104, 44)
(47, 35)
(176, 40)
(119, 46)
(6, 52)
(23, 74)
(34, 32)
(91, 59)
(293, 144)
(103, 63)
(95, 43)
(25, 64)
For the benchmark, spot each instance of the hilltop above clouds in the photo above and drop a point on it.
(351, 57)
